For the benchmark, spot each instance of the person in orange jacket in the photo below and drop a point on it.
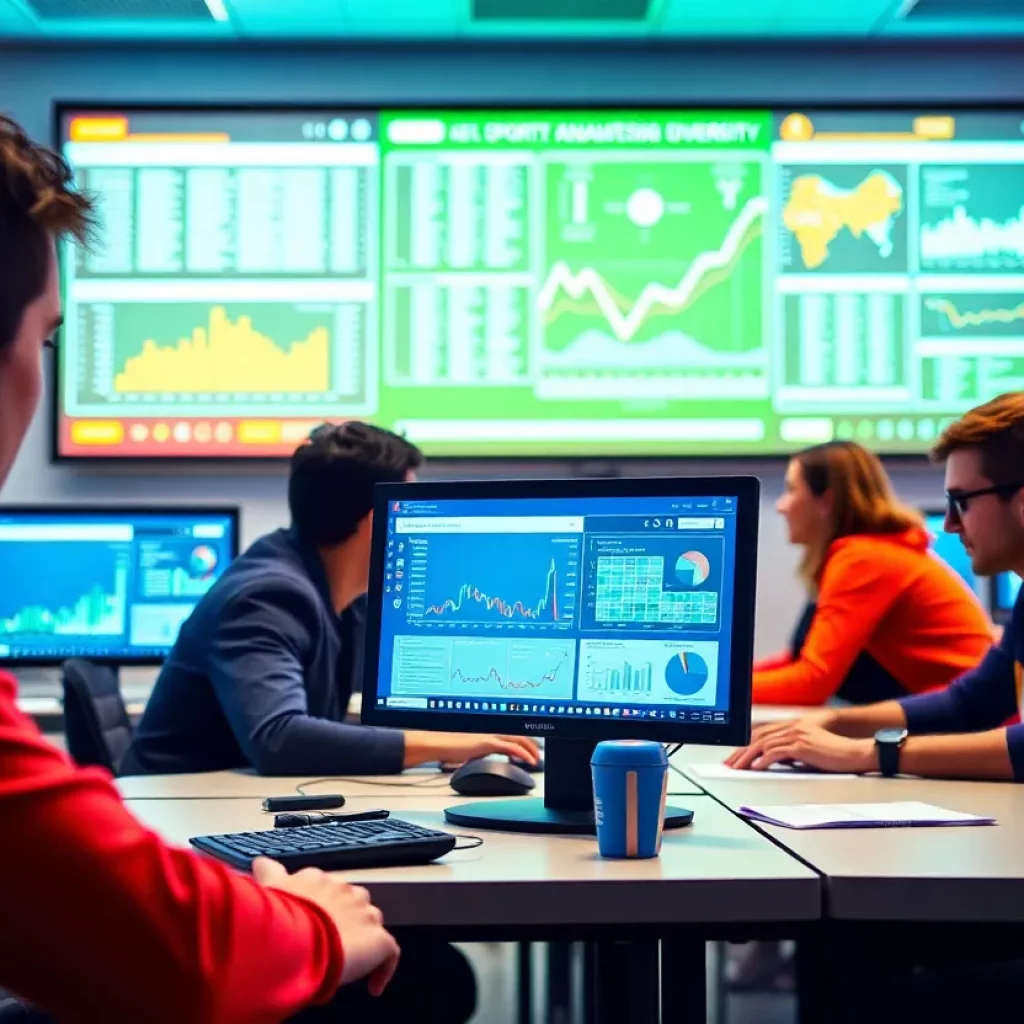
(885, 617)
(101, 920)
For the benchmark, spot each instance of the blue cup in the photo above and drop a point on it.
(630, 789)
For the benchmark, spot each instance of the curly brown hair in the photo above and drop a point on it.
(38, 204)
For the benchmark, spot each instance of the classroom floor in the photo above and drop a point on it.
(495, 966)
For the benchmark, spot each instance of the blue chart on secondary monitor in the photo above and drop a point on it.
(62, 589)
(509, 580)
(509, 669)
(178, 569)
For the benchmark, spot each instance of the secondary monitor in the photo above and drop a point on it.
(1005, 590)
(110, 584)
(570, 610)
(538, 281)
(948, 547)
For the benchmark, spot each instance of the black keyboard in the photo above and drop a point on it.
(351, 844)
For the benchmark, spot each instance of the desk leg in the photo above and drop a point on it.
(524, 970)
(684, 981)
(626, 982)
(559, 983)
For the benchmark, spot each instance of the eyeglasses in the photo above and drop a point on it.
(958, 501)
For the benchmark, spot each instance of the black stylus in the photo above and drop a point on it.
(296, 820)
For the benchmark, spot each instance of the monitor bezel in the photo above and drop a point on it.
(747, 491)
(232, 512)
(62, 107)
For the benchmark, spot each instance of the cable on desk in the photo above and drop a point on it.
(673, 749)
(476, 842)
(427, 782)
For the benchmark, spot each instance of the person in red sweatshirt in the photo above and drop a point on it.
(101, 920)
(885, 617)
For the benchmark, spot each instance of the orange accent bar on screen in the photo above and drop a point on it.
(98, 129)
(632, 816)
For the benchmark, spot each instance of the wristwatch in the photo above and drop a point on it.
(888, 743)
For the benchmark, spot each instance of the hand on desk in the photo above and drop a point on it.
(808, 739)
(454, 747)
(370, 951)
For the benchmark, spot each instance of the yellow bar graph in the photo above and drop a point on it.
(229, 356)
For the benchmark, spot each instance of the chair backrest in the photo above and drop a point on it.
(96, 722)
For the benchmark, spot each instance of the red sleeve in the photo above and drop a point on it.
(855, 593)
(104, 922)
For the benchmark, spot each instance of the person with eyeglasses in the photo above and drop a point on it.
(960, 732)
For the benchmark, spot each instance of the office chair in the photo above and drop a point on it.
(96, 721)
(14, 1011)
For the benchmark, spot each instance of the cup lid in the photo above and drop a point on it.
(632, 753)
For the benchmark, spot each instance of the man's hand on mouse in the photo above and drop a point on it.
(455, 747)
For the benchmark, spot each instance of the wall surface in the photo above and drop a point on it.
(32, 80)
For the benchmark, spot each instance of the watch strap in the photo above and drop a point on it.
(888, 758)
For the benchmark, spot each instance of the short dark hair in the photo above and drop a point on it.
(996, 430)
(38, 203)
(330, 489)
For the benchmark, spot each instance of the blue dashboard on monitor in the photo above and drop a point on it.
(103, 583)
(564, 609)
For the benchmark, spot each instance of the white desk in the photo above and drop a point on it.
(246, 784)
(717, 870)
(904, 874)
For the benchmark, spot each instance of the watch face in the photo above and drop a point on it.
(890, 735)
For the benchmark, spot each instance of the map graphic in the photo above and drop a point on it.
(845, 219)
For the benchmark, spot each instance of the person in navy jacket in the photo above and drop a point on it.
(263, 669)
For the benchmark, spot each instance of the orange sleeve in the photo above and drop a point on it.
(856, 591)
(106, 922)
(779, 660)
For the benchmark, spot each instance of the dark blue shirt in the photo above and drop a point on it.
(261, 676)
(983, 698)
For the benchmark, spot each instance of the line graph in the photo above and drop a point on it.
(625, 325)
(512, 665)
(973, 315)
(545, 608)
(515, 581)
(487, 667)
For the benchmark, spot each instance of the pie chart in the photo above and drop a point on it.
(203, 562)
(693, 568)
(686, 674)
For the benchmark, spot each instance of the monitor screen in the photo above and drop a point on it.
(1005, 590)
(948, 547)
(539, 282)
(103, 583)
(561, 607)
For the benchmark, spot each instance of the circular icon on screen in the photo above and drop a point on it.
(203, 562)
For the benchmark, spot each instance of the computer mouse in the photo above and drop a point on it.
(526, 766)
(487, 777)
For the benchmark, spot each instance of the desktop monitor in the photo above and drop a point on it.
(949, 548)
(572, 610)
(109, 584)
(1005, 589)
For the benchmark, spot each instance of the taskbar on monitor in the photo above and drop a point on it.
(489, 707)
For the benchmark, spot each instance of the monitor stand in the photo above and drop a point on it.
(568, 804)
